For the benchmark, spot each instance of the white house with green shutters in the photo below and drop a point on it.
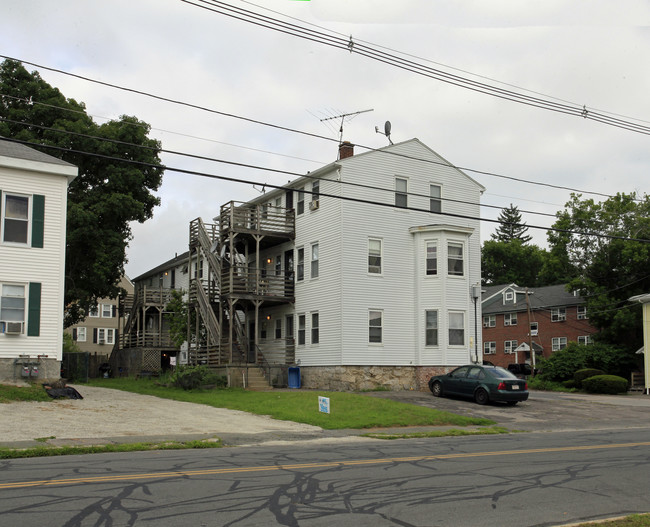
(33, 194)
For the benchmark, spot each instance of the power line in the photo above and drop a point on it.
(263, 123)
(376, 54)
(334, 196)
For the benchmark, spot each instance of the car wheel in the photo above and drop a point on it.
(511, 403)
(481, 396)
(436, 389)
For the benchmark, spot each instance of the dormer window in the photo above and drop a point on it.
(509, 297)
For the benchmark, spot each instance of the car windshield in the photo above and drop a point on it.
(500, 373)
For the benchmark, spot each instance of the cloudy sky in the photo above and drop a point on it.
(592, 53)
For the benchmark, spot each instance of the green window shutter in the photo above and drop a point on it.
(38, 220)
(34, 310)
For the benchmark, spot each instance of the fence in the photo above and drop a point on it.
(81, 366)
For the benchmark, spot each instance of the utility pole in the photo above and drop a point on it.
(530, 334)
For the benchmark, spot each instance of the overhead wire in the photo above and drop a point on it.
(377, 54)
(293, 130)
(335, 196)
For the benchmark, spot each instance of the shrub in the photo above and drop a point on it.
(605, 384)
(193, 377)
(585, 373)
(570, 384)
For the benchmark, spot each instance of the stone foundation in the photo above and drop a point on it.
(359, 378)
(49, 370)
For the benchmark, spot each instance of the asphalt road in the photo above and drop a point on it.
(534, 479)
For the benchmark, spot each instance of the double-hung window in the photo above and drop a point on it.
(314, 260)
(455, 266)
(401, 192)
(314, 328)
(301, 201)
(489, 348)
(81, 334)
(435, 203)
(300, 268)
(582, 312)
(315, 190)
(432, 258)
(375, 327)
(15, 228)
(510, 319)
(278, 328)
(302, 322)
(456, 328)
(509, 346)
(107, 310)
(489, 321)
(94, 311)
(12, 306)
(586, 339)
(374, 256)
(558, 314)
(106, 336)
(558, 343)
(431, 337)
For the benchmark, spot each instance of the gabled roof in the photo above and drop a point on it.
(176, 261)
(538, 297)
(20, 151)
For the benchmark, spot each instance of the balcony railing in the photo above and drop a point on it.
(257, 218)
(241, 280)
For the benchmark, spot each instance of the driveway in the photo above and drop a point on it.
(545, 411)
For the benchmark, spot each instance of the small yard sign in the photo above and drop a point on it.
(324, 404)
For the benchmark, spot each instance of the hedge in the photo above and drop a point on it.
(605, 384)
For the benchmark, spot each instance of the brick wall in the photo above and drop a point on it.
(571, 329)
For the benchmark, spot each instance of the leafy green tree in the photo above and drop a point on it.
(511, 227)
(511, 262)
(177, 313)
(106, 196)
(609, 248)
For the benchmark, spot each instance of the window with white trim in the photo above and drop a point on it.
(582, 313)
(534, 329)
(314, 260)
(375, 319)
(456, 328)
(315, 190)
(435, 203)
(105, 336)
(509, 297)
(510, 319)
(489, 321)
(558, 343)
(81, 334)
(302, 329)
(15, 218)
(401, 192)
(94, 311)
(489, 348)
(300, 204)
(315, 328)
(300, 267)
(107, 310)
(558, 314)
(374, 255)
(432, 258)
(509, 346)
(585, 339)
(12, 305)
(455, 264)
(431, 337)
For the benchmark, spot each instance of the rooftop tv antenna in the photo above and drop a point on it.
(344, 117)
(386, 131)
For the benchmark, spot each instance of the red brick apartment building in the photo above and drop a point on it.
(514, 317)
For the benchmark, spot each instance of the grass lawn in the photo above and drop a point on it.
(347, 410)
(34, 392)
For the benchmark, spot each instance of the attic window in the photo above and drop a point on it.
(509, 296)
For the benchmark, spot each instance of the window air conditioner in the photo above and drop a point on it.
(533, 332)
(13, 328)
(314, 204)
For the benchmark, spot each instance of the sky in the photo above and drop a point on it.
(586, 53)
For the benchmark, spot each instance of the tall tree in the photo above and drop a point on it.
(109, 192)
(511, 262)
(609, 268)
(511, 227)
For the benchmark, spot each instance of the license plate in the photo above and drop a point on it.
(515, 386)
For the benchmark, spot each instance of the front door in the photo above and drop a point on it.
(251, 342)
(288, 273)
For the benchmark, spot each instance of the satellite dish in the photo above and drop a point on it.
(387, 128)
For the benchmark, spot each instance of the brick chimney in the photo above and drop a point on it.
(346, 149)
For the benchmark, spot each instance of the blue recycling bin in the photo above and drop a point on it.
(294, 377)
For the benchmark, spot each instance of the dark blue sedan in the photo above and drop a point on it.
(481, 383)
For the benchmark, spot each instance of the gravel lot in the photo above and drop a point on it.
(105, 413)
